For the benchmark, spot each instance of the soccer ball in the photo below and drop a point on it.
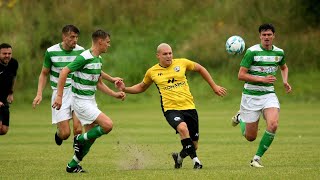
(235, 45)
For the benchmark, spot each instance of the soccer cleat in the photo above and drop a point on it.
(197, 166)
(177, 160)
(78, 147)
(57, 139)
(235, 121)
(256, 163)
(77, 169)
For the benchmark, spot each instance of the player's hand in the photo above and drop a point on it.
(287, 87)
(1, 104)
(57, 103)
(119, 84)
(269, 79)
(120, 95)
(220, 91)
(36, 101)
(10, 98)
(114, 79)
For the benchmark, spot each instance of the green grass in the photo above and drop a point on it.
(140, 144)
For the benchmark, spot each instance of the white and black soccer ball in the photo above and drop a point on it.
(235, 45)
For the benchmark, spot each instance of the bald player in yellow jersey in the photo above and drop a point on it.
(169, 75)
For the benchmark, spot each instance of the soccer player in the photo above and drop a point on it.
(258, 69)
(57, 57)
(169, 75)
(8, 73)
(86, 80)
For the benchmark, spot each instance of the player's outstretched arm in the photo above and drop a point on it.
(218, 90)
(62, 81)
(105, 89)
(41, 85)
(110, 78)
(135, 89)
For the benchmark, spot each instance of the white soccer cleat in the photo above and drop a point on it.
(234, 120)
(256, 163)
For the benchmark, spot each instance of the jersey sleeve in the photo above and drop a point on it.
(147, 78)
(283, 61)
(78, 63)
(247, 59)
(47, 60)
(189, 64)
(15, 67)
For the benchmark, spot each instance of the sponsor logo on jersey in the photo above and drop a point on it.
(171, 80)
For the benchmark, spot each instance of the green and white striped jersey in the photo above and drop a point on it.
(261, 62)
(57, 58)
(87, 70)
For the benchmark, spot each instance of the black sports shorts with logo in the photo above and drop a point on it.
(190, 117)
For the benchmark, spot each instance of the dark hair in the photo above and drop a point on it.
(99, 34)
(70, 28)
(5, 45)
(265, 27)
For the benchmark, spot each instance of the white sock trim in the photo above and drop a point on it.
(75, 158)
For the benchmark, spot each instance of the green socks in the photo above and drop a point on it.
(93, 133)
(85, 138)
(242, 127)
(265, 142)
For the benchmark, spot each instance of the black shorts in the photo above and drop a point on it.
(190, 117)
(5, 115)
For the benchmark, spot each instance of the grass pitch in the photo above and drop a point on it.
(141, 142)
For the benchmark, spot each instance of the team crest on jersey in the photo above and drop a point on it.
(277, 59)
(177, 68)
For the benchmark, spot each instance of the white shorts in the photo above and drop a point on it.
(64, 113)
(252, 106)
(85, 109)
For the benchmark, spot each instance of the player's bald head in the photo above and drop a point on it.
(163, 46)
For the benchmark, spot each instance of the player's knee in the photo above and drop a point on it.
(251, 137)
(182, 128)
(3, 131)
(107, 126)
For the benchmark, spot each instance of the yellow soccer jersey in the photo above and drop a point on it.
(172, 84)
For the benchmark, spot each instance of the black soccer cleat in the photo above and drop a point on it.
(197, 166)
(78, 148)
(177, 162)
(77, 169)
(57, 139)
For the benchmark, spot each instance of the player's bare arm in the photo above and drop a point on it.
(41, 85)
(243, 75)
(62, 81)
(135, 89)
(10, 96)
(284, 73)
(105, 89)
(218, 90)
(109, 78)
